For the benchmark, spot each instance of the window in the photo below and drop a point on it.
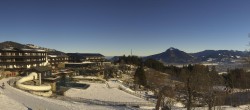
(10, 66)
(8, 54)
(27, 54)
(8, 60)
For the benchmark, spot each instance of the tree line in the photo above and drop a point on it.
(198, 82)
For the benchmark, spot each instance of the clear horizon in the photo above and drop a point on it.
(114, 27)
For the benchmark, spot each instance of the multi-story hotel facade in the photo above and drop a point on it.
(56, 60)
(23, 58)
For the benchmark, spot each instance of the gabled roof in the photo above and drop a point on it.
(58, 53)
(85, 54)
(41, 69)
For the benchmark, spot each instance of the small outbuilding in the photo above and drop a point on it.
(44, 70)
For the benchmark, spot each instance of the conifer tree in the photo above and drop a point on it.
(140, 77)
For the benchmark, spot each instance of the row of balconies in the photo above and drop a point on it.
(58, 59)
(19, 66)
(29, 60)
(94, 58)
(21, 60)
(14, 62)
(56, 63)
(24, 57)
(22, 54)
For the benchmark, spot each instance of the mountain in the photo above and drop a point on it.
(172, 55)
(176, 56)
(109, 57)
(10, 44)
(219, 55)
(15, 45)
(50, 51)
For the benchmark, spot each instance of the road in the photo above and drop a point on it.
(30, 101)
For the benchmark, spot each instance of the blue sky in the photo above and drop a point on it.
(114, 27)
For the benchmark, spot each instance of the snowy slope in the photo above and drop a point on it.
(41, 103)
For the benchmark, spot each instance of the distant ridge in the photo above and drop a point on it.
(176, 56)
(50, 51)
(11, 44)
(219, 55)
(172, 55)
(15, 45)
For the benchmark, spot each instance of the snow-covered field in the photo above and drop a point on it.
(98, 91)
(15, 99)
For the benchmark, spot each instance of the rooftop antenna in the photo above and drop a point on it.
(131, 52)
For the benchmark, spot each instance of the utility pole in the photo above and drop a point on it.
(131, 52)
(40, 78)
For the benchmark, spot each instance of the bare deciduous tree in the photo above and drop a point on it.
(165, 98)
